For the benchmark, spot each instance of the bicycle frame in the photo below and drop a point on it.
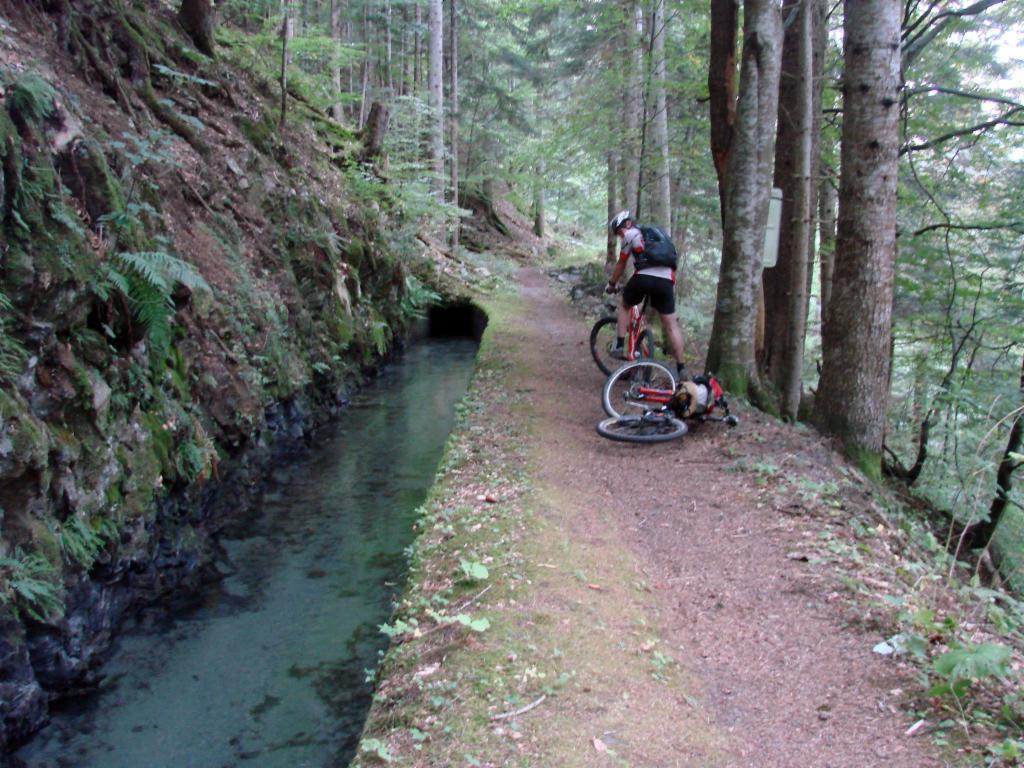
(637, 323)
(654, 395)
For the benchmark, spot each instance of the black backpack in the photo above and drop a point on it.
(659, 250)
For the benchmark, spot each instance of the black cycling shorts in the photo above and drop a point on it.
(660, 289)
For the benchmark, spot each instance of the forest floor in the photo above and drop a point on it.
(691, 603)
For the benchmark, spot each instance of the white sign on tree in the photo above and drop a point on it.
(771, 232)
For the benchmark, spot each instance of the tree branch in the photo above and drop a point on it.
(966, 94)
(918, 35)
(979, 128)
(1015, 226)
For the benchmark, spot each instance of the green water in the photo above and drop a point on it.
(269, 669)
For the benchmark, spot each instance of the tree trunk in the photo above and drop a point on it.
(374, 132)
(633, 105)
(722, 87)
(364, 89)
(853, 392)
(351, 66)
(731, 350)
(662, 208)
(786, 284)
(538, 199)
(827, 242)
(286, 33)
(403, 47)
(791, 370)
(389, 79)
(196, 17)
(436, 50)
(613, 206)
(454, 94)
(336, 109)
(979, 535)
(417, 53)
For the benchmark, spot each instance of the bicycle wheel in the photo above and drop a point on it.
(602, 337)
(638, 388)
(648, 345)
(650, 428)
(604, 334)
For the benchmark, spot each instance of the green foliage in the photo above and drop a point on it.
(476, 625)
(196, 456)
(191, 460)
(377, 749)
(417, 298)
(147, 280)
(473, 571)
(30, 584)
(968, 663)
(12, 352)
(81, 541)
(32, 97)
(181, 78)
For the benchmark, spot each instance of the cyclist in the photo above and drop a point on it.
(656, 282)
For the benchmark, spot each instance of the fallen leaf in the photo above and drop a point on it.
(599, 745)
(428, 670)
(595, 587)
(914, 728)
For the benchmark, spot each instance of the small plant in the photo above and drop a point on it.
(398, 627)
(765, 468)
(81, 541)
(417, 298)
(29, 584)
(473, 571)
(477, 625)
(1008, 752)
(12, 353)
(376, 748)
(968, 663)
(32, 97)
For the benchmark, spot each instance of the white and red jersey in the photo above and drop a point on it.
(633, 243)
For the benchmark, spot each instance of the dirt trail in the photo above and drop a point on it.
(779, 680)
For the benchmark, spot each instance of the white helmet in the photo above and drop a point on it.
(618, 220)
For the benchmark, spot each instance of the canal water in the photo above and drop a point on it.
(269, 667)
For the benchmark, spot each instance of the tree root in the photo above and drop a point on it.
(111, 83)
(128, 34)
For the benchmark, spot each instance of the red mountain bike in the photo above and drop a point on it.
(645, 403)
(639, 341)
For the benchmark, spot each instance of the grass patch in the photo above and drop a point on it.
(507, 611)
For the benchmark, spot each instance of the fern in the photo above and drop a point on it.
(69, 218)
(81, 541)
(191, 461)
(12, 353)
(29, 583)
(147, 279)
(417, 298)
(162, 270)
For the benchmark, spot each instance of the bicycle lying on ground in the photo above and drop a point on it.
(645, 403)
(639, 341)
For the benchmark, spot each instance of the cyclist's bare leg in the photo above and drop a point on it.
(675, 336)
(622, 327)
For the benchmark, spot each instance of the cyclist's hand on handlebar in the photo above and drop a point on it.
(611, 288)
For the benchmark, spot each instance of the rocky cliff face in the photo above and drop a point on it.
(185, 289)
